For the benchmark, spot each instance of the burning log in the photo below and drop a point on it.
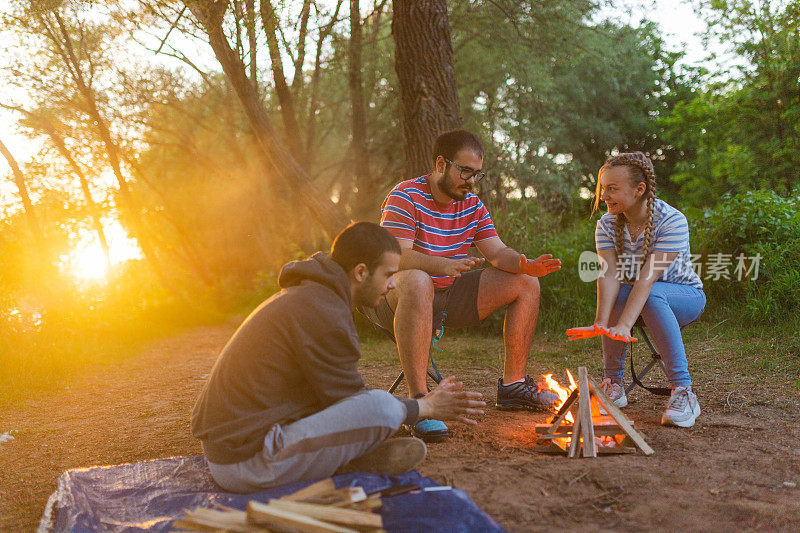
(591, 434)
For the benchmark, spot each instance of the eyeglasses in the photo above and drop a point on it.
(468, 173)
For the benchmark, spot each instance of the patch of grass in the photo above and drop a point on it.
(716, 349)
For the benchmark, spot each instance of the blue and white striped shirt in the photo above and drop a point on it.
(670, 234)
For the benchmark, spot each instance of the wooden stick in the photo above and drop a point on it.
(204, 519)
(585, 413)
(602, 431)
(347, 517)
(370, 504)
(598, 421)
(613, 450)
(563, 411)
(620, 417)
(314, 490)
(339, 497)
(574, 444)
(263, 514)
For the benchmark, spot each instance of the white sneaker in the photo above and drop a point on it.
(682, 408)
(614, 391)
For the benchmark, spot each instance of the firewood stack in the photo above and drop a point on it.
(592, 433)
(318, 508)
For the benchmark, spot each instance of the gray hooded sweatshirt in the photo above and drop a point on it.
(295, 355)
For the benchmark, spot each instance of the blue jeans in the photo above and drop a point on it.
(669, 307)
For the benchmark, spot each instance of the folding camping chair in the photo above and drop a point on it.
(438, 331)
(636, 377)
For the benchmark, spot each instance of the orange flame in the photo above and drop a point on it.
(548, 383)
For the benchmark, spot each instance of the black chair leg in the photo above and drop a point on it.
(637, 376)
(399, 380)
(396, 383)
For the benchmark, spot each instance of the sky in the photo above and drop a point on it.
(679, 23)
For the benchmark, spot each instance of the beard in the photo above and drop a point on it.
(457, 193)
(368, 295)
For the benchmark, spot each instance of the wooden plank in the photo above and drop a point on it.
(559, 444)
(339, 498)
(347, 517)
(562, 412)
(598, 421)
(585, 413)
(204, 519)
(602, 431)
(314, 490)
(551, 449)
(551, 436)
(620, 417)
(574, 444)
(370, 504)
(614, 450)
(264, 514)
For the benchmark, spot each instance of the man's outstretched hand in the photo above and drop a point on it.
(449, 401)
(586, 332)
(541, 266)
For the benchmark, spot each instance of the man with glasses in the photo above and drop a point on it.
(436, 219)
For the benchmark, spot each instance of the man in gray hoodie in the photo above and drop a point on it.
(285, 401)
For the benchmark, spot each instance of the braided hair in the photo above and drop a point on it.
(640, 170)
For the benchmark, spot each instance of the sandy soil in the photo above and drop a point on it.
(737, 469)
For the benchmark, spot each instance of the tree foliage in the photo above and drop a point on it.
(741, 133)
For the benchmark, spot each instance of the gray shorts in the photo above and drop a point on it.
(456, 306)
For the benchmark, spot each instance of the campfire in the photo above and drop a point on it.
(580, 425)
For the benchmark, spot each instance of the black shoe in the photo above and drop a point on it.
(524, 395)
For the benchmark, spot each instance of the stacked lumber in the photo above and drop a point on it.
(591, 434)
(318, 508)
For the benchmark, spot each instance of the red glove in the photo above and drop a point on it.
(583, 333)
(594, 331)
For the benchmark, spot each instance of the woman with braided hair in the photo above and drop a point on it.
(643, 243)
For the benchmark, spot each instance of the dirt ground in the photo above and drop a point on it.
(737, 469)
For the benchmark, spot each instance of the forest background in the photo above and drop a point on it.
(186, 150)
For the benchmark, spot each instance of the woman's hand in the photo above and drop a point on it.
(449, 401)
(620, 333)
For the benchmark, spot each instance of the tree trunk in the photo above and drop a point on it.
(22, 187)
(297, 81)
(250, 23)
(94, 210)
(358, 142)
(270, 22)
(425, 71)
(126, 202)
(314, 99)
(289, 173)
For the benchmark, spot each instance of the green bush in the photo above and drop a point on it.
(751, 224)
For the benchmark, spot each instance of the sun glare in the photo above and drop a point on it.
(87, 262)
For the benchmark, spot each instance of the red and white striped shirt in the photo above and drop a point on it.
(410, 213)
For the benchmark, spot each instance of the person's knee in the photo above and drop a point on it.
(530, 285)
(415, 286)
(656, 299)
(387, 408)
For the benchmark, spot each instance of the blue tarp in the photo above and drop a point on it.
(150, 495)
